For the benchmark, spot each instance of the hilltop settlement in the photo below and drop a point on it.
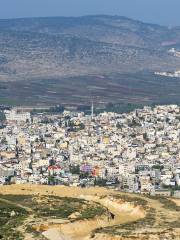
(133, 152)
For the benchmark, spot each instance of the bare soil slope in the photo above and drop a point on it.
(110, 215)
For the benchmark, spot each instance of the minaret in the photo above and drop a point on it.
(92, 111)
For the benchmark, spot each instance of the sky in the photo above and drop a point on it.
(164, 12)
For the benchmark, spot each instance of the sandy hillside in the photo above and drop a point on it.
(134, 216)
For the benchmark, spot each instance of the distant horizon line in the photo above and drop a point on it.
(89, 15)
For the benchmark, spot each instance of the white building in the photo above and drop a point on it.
(17, 116)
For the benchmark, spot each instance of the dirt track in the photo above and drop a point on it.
(123, 212)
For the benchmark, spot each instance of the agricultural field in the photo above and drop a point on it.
(111, 91)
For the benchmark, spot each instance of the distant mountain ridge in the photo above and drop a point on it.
(94, 42)
(58, 47)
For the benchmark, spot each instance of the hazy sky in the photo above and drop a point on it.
(165, 12)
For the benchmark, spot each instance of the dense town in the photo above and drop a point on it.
(134, 152)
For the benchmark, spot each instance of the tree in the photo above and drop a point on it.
(75, 169)
(2, 116)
